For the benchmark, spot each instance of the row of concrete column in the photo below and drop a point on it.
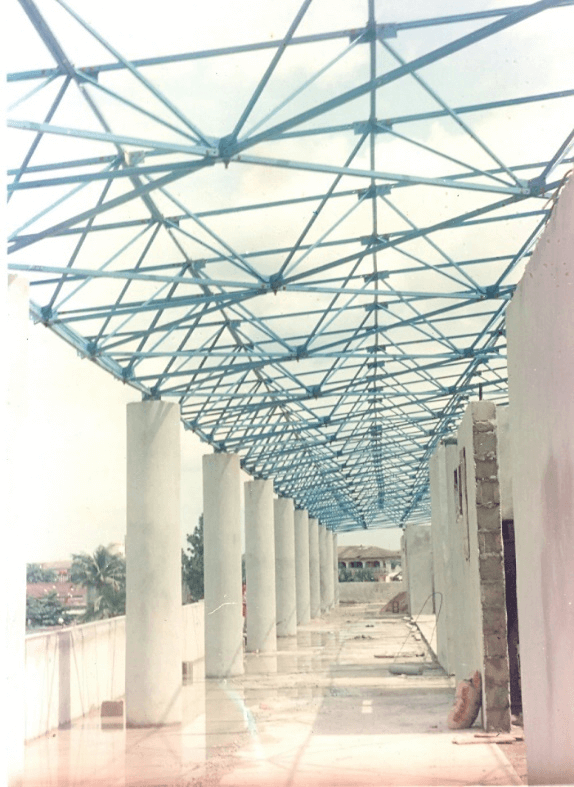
(290, 564)
(284, 559)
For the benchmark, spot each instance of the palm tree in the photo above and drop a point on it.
(104, 575)
(192, 563)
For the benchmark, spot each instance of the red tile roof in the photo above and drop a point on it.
(69, 594)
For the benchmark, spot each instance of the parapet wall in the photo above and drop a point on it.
(363, 592)
(71, 671)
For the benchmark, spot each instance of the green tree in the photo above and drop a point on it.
(104, 575)
(46, 611)
(345, 575)
(35, 574)
(364, 575)
(192, 562)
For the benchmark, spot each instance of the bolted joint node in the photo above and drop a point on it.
(227, 147)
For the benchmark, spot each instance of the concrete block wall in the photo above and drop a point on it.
(540, 335)
(417, 557)
(71, 671)
(481, 523)
(468, 557)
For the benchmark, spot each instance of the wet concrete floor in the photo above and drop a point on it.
(324, 711)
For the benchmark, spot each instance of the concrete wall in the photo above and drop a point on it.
(71, 671)
(405, 568)
(417, 554)
(459, 642)
(363, 592)
(540, 331)
(504, 462)
(444, 543)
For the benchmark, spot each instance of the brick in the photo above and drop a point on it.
(494, 621)
(492, 594)
(112, 709)
(484, 442)
(498, 697)
(485, 469)
(498, 719)
(487, 492)
(496, 672)
(483, 426)
(488, 518)
(495, 645)
(490, 542)
(490, 567)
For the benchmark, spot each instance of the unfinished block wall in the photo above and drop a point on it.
(469, 572)
(479, 514)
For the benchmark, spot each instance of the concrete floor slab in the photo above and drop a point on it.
(325, 711)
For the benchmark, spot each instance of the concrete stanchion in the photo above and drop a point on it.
(285, 587)
(302, 566)
(260, 567)
(314, 568)
(335, 570)
(326, 569)
(222, 566)
(330, 573)
(153, 565)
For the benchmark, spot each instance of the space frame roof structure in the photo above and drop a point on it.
(306, 239)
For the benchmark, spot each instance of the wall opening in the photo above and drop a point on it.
(512, 615)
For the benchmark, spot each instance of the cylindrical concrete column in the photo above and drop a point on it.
(222, 565)
(314, 568)
(17, 512)
(153, 565)
(302, 566)
(285, 587)
(260, 566)
(330, 574)
(335, 570)
(326, 568)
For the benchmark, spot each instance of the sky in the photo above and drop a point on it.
(77, 416)
(77, 458)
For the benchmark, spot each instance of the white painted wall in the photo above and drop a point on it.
(540, 332)
(442, 465)
(418, 554)
(70, 672)
(504, 462)
(466, 581)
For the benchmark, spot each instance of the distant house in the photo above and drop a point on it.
(384, 563)
(71, 596)
(60, 567)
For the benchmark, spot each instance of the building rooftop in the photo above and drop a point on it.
(70, 595)
(324, 711)
(365, 553)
